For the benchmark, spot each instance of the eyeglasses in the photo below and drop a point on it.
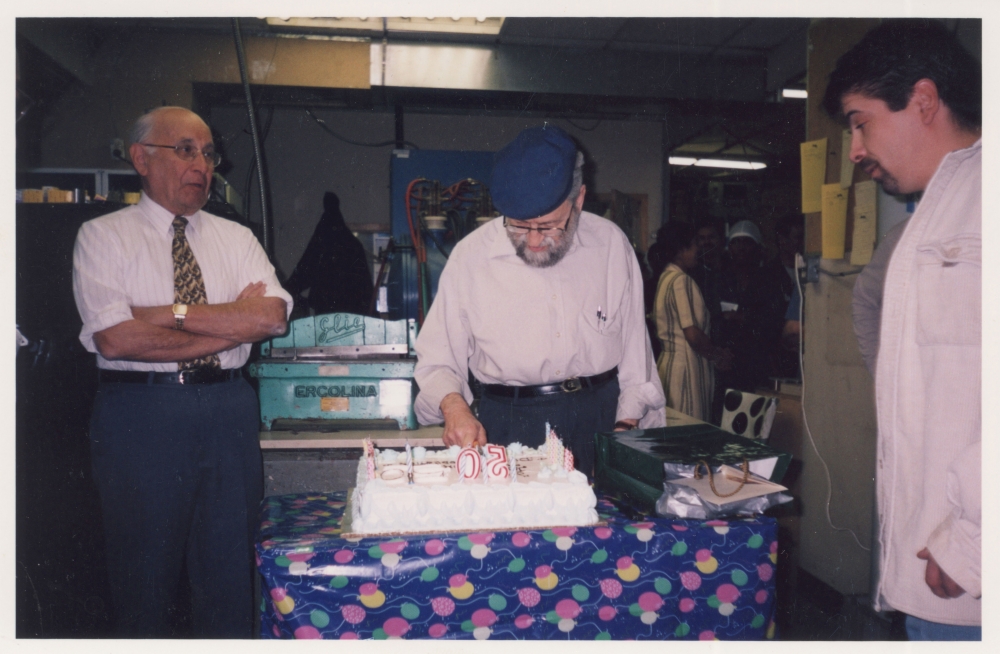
(544, 231)
(188, 152)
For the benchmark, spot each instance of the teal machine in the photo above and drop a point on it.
(338, 371)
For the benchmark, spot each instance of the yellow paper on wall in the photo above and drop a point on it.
(846, 165)
(813, 173)
(865, 197)
(864, 238)
(865, 223)
(834, 220)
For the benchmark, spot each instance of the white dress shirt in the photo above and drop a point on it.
(124, 259)
(514, 324)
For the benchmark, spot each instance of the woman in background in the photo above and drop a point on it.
(682, 323)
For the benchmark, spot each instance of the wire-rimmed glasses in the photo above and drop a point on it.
(188, 152)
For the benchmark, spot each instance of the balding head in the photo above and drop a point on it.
(143, 127)
(181, 186)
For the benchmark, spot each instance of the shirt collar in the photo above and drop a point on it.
(978, 145)
(163, 219)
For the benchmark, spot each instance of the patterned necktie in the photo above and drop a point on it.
(189, 287)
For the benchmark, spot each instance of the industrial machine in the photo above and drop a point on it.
(344, 371)
(438, 197)
(338, 371)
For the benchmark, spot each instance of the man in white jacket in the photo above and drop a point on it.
(912, 98)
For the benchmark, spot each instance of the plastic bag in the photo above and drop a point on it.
(681, 500)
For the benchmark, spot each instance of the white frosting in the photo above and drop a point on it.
(388, 456)
(439, 501)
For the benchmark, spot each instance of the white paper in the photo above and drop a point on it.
(755, 487)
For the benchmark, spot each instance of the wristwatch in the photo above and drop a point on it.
(180, 313)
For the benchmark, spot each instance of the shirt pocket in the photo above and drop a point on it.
(609, 325)
(949, 288)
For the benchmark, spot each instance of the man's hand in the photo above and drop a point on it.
(722, 359)
(163, 316)
(625, 424)
(937, 579)
(460, 426)
(251, 317)
(256, 289)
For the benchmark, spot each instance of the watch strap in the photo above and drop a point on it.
(180, 313)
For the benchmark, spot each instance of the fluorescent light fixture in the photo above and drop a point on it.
(716, 163)
(798, 94)
(459, 25)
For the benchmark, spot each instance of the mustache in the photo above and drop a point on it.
(867, 164)
(521, 241)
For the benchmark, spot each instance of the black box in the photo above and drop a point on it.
(629, 464)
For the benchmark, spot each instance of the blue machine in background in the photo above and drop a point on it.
(337, 371)
(341, 371)
(442, 208)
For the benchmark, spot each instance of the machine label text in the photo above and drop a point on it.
(361, 390)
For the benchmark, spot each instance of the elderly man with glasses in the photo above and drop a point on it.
(171, 298)
(544, 308)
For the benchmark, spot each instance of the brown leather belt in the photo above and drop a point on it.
(570, 385)
(185, 377)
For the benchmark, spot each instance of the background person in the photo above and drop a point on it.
(709, 270)
(334, 267)
(866, 299)
(752, 326)
(686, 362)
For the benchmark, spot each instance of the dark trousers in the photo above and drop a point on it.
(180, 478)
(575, 417)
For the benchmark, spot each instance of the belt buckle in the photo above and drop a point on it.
(571, 385)
(184, 377)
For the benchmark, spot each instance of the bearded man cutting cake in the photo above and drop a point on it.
(544, 307)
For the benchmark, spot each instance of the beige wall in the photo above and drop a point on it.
(147, 69)
(304, 161)
(126, 77)
(839, 397)
(840, 411)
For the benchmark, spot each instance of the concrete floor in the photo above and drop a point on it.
(811, 610)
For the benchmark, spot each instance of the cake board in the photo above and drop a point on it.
(347, 528)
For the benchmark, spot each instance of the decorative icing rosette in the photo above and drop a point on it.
(369, 458)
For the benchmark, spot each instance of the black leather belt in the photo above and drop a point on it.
(185, 377)
(570, 385)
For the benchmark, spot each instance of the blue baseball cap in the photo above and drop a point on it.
(533, 174)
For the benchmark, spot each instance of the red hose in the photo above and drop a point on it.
(418, 248)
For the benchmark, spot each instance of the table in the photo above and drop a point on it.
(642, 579)
(427, 436)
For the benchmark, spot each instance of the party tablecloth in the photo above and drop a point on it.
(643, 579)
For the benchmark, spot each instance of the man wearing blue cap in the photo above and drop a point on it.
(544, 307)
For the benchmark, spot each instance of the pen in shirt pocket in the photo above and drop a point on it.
(601, 319)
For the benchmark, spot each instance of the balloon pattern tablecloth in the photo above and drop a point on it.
(625, 579)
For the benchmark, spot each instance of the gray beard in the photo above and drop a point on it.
(555, 252)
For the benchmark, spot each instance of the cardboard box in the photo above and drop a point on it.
(630, 464)
(32, 195)
(59, 196)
